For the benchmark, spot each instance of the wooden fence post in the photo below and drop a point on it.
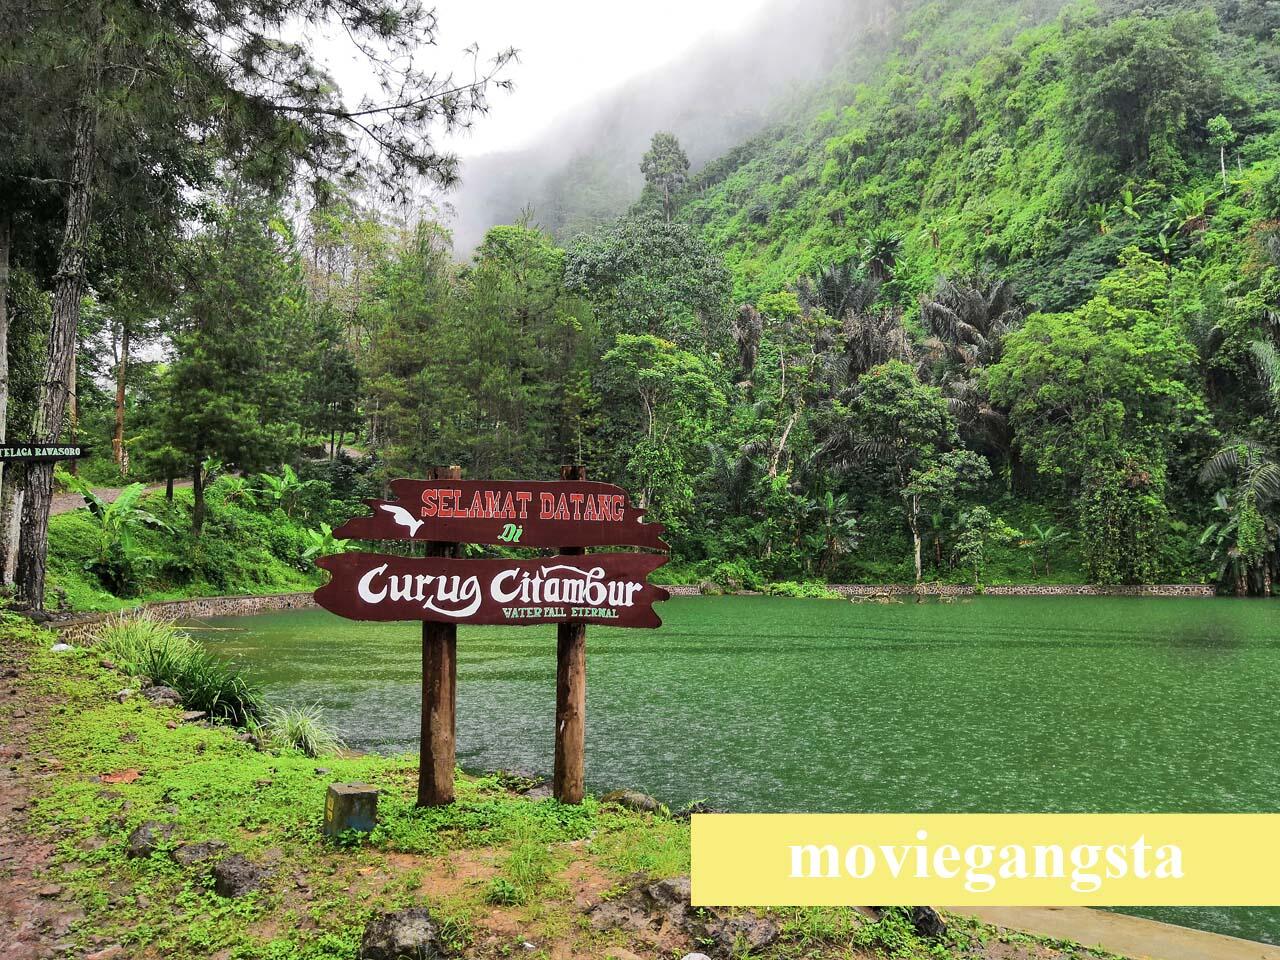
(571, 691)
(438, 738)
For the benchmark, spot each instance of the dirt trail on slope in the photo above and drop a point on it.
(67, 501)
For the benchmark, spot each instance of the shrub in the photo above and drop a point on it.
(736, 575)
(302, 729)
(503, 892)
(806, 591)
(129, 639)
(143, 645)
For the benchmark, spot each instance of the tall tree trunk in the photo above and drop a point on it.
(56, 387)
(10, 525)
(122, 367)
(6, 496)
(914, 513)
(73, 403)
(197, 491)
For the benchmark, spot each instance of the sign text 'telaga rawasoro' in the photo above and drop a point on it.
(31, 452)
(605, 588)
(517, 513)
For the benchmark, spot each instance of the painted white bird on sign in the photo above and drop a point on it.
(403, 517)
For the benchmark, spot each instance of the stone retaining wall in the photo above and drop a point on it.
(683, 589)
(1030, 590)
(1006, 590)
(196, 608)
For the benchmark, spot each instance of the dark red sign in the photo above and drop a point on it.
(517, 513)
(604, 588)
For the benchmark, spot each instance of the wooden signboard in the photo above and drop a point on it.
(570, 589)
(33, 452)
(605, 588)
(514, 513)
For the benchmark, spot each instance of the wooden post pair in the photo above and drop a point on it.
(438, 744)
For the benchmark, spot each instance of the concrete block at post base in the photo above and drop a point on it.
(350, 806)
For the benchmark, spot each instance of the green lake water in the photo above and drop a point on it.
(763, 704)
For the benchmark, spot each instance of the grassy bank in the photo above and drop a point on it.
(246, 547)
(502, 874)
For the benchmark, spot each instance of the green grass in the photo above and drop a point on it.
(302, 729)
(268, 806)
(241, 550)
(143, 645)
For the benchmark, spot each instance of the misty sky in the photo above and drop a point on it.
(571, 51)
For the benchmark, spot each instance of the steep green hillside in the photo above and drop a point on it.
(1039, 142)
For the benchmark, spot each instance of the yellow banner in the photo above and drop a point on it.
(1199, 859)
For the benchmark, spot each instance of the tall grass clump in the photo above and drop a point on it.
(302, 729)
(143, 645)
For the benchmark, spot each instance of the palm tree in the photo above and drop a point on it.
(1247, 537)
(1267, 359)
(969, 317)
(837, 529)
(880, 251)
(866, 340)
(838, 288)
(967, 320)
(733, 474)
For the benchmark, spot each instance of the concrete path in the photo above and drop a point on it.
(1117, 933)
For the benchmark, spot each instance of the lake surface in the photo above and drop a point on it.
(765, 704)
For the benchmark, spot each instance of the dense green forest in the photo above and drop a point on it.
(999, 300)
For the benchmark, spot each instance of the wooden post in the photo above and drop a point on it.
(438, 739)
(571, 691)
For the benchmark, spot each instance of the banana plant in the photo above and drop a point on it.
(284, 491)
(1041, 544)
(322, 542)
(114, 561)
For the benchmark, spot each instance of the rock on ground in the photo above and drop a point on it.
(402, 935)
(192, 853)
(928, 922)
(163, 696)
(146, 838)
(633, 800)
(698, 806)
(235, 876)
(661, 910)
(518, 780)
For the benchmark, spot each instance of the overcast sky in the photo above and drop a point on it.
(570, 52)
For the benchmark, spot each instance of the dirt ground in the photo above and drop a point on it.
(66, 501)
(33, 916)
